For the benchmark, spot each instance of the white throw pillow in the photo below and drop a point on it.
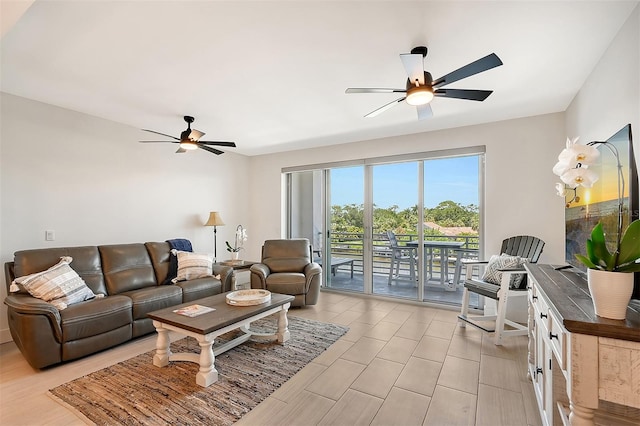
(59, 285)
(503, 261)
(192, 265)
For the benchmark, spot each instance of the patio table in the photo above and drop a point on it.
(444, 247)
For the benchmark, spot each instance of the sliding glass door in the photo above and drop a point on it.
(451, 224)
(346, 224)
(397, 227)
(395, 269)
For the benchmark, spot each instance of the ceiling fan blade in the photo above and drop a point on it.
(158, 141)
(195, 134)
(385, 107)
(471, 95)
(181, 150)
(482, 64)
(414, 65)
(373, 90)
(219, 143)
(424, 111)
(158, 133)
(212, 150)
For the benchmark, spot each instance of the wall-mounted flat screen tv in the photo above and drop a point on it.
(600, 202)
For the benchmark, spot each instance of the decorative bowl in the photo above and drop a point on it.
(248, 297)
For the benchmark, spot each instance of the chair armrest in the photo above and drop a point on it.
(513, 270)
(260, 269)
(475, 262)
(28, 305)
(259, 274)
(312, 269)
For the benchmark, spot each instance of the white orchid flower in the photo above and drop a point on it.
(561, 189)
(579, 176)
(578, 154)
(561, 168)
(572, 142)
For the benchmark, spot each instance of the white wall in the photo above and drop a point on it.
(610, 98)
(520, 196)
(92, 182)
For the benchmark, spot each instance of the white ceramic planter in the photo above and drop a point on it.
(611, 292)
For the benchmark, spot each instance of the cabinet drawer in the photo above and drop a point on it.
(557, 336)
(543, 317)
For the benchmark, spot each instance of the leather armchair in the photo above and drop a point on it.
(287, 268)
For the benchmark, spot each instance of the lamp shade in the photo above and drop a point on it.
(214, 220)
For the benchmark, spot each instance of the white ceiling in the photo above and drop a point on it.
(271, 75)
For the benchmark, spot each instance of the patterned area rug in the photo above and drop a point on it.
(135, 392)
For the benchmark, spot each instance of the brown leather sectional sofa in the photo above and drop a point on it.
(130, 276)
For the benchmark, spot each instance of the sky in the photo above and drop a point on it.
(453, 179)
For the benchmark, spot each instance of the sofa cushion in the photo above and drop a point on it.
(59, 285)
(86, 262)
(199, 288)
(95, 317)
(192, 265)
(150, 299)
(160, 254)
(126, 267)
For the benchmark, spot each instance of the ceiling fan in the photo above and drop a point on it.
(421, 88)
(190, 139)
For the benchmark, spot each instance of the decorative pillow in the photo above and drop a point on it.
(59, 285)
(504, 261)
(192, 265)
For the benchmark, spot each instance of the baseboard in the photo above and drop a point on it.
(5, 336)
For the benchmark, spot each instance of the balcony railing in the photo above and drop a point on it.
(350, 245)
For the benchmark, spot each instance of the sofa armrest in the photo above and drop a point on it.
(29, 305)
(226, 276)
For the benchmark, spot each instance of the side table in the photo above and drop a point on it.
(241, 278)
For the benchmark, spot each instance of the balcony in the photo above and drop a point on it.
(440, 282)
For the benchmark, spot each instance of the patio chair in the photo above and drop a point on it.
(504, 279)
(401, 254)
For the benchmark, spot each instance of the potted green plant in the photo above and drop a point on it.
(609, 274)
(623, 259)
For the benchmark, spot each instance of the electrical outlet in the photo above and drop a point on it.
(50, 235)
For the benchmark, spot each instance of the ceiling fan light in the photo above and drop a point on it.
(419, 95)
(189, 145)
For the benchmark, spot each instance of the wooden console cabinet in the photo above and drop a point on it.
(585, 369)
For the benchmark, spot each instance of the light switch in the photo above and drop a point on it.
(50, 235)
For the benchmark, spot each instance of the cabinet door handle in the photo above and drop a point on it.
(543, 315)
(552, 336)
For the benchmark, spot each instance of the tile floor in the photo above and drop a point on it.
(399, 364)
(403, 364)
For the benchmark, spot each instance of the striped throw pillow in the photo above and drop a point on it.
(493, 275)
(59, 285)
(192, 265)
